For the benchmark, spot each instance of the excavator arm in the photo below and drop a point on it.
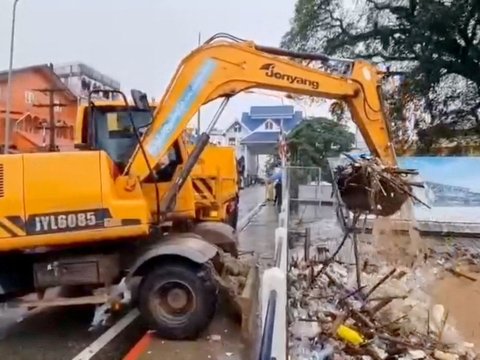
(225, 68)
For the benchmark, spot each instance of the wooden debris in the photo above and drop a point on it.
(461, 274)
(331, 304)
(380, 282)
(368, 186)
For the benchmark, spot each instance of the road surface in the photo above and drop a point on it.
(62, 333)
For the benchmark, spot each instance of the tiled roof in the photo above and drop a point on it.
(263, 112)
(46, 70)
(258, 115)
(290, 122)
(249, 123)
(261, 137)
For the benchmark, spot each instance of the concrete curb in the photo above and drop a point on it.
(243, 222)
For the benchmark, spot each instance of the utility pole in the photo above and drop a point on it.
(51, 106)
(9, 81)
(198, 112)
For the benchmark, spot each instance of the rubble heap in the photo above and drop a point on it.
(376, 309)
(388, 317)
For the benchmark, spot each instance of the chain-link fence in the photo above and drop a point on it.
(308, 192)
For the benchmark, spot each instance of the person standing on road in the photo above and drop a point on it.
(269, 191)
(276, 178)
(278, 193)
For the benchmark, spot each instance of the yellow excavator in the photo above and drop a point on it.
(212, 183)
(93, 218)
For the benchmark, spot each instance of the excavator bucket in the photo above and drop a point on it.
(367, 186)
(239, 284)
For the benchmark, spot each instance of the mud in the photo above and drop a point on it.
(395, 248)
(461, 298)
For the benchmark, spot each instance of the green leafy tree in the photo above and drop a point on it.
(435, 42)
(314, 140)
(310, 144)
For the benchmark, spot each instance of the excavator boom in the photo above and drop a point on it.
(224, 68)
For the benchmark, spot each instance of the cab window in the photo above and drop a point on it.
(115, 133)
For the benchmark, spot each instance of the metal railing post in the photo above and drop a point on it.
(274, 288)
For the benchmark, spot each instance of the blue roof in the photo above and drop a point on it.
(289, 123)
(271, 111)
(261, 137)
(251, 124)
(258, 115)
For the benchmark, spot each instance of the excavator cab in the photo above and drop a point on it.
(115, 132)
(210, 194)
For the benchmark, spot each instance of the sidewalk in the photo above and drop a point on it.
(259, 236)
(249, 198)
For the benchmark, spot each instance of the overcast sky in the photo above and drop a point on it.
(139, 42)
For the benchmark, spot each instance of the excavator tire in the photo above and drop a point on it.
(178, 300)
(219, 234)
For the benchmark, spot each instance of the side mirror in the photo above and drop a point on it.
(140, 99)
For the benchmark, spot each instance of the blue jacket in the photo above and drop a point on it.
(276, 177)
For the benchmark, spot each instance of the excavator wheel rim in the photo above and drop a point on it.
(175, 303)
(201, 282)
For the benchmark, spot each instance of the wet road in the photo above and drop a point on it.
(62, 333)
(249, 198)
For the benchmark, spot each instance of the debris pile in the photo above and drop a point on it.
(366, 185)
(377, 309)
(235, 272)
(388, 317)
(238, 281)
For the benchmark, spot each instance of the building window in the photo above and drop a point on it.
(232, 141)
(58, 107)
(29, 97)
(237, 128)
(268, 125)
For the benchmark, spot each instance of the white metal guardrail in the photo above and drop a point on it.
(274, 289)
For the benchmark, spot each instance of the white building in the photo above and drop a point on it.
(217, 137)
(233, 136)
(81, 79)
(257, 133)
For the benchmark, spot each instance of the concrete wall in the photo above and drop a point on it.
(251, 163)
(81, 78)
(319, 192)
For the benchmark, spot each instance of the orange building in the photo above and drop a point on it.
(30, 122)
